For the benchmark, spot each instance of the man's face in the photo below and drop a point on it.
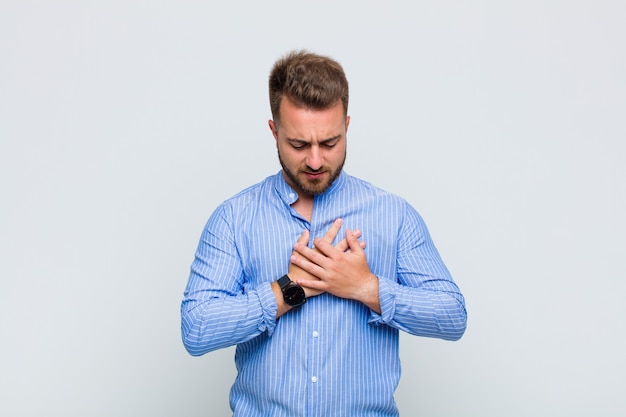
(311, 145)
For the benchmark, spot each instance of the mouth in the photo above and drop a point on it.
(314, 175)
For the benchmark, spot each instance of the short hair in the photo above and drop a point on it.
(309, 80)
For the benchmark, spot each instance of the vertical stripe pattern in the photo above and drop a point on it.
(331, 356)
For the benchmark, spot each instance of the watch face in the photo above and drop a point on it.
(294, 295)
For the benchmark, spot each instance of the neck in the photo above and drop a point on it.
(304, 206)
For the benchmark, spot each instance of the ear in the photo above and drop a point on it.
(347, 123)
(273, 128)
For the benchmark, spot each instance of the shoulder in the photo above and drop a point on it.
(253, 193)
(366, 188)
(249, 198)
(382, 201)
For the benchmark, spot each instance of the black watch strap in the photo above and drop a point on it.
(284, 281)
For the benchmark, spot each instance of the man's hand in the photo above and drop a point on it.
(298, 274)
(340, 271)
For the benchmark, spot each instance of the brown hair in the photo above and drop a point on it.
(309, 80)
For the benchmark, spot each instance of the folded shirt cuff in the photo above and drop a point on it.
(387, 299)
(269, 307)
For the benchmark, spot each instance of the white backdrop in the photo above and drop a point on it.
(123, 124)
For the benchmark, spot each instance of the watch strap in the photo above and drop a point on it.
(284, 281)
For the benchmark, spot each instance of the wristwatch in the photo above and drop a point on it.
(293, 294)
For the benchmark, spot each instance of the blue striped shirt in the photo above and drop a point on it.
(332, 356)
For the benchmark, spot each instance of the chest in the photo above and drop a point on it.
(265, 238)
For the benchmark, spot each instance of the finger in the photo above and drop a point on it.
(312, 284)
(343, 245)
(323, 248)
(331, 234)
(306, 253)
(353, 243)
(309, 261)
(304, 238)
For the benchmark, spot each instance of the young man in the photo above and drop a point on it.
(279, 270)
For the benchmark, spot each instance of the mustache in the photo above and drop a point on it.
(310, 170)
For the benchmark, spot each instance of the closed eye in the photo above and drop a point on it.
(330, 142)
(298, 145)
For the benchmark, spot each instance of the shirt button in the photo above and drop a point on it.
(292, 195)
(315, 334)
(314, 379)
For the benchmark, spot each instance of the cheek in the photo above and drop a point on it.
(289, 157)
(337, 156)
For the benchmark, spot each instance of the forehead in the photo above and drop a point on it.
(298, 120)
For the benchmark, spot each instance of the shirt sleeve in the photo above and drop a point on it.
(423, 299)
(218, 310)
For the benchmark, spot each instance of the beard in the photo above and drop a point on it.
(307, 186)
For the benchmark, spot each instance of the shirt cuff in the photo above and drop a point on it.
(268, 308)
(387, 299)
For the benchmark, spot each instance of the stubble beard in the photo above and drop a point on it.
(307, 187)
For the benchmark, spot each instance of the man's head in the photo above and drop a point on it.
(309, 101)
(309, 81)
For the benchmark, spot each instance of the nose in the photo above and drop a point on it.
(314, 160)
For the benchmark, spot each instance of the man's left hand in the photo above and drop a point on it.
(344, 274)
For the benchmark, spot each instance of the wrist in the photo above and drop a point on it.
(369, 294)
(293, 294)
(281, 306)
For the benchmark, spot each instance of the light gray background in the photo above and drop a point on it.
(124, 123)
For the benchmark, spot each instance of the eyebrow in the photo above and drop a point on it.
(306, 142)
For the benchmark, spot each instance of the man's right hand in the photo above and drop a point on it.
(296, 273)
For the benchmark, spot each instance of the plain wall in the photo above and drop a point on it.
(123, 124)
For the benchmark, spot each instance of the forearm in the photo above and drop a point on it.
(423, 311)
(368, 294)
(219, 322)
(281, 306)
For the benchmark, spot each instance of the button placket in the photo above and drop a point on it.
(315, 335)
